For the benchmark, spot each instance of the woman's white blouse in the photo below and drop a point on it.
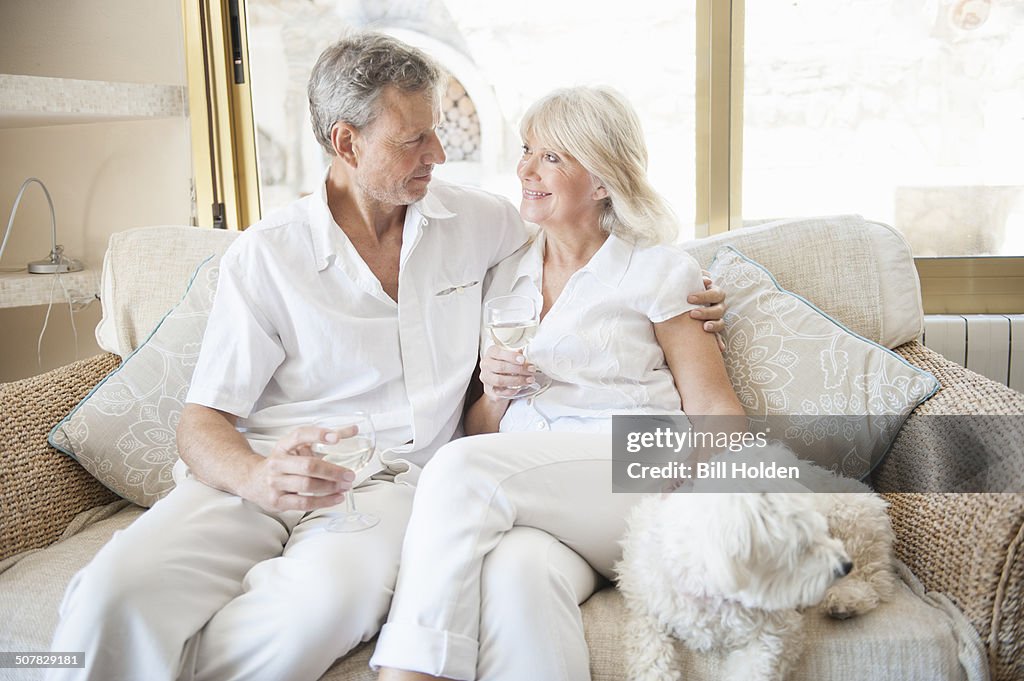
(597, 341)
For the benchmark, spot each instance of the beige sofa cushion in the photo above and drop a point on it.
(859, 272)
(123, 432)
(835, 398)
(915, 637)
(32, 585)
(144, 272)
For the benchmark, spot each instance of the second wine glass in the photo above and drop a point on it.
(353, 453)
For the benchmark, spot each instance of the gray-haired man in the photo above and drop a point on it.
(364, 296)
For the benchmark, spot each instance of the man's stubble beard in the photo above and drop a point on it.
(392, 196)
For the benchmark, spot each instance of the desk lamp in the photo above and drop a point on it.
(57, 262)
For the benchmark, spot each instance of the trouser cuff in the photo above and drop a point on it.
(428, 651)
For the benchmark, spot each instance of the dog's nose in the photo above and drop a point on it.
(844, 568)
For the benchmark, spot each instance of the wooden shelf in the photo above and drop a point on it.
(21, 289)
(34, 101)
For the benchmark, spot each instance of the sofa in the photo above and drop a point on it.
(959, 611)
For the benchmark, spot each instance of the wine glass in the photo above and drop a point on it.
(512, 323)
(353, 453)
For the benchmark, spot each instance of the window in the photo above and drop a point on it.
(906, 112)
(501, 61)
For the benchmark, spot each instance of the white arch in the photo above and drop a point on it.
(492, 121)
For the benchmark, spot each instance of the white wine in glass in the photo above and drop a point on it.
(353, 453)
(512, 323)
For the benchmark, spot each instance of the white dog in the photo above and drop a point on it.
(731, 572)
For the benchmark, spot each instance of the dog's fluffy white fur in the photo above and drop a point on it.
(732, 572)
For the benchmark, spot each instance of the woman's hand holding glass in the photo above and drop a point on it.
(505, 370)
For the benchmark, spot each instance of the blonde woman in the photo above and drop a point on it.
(614, 338)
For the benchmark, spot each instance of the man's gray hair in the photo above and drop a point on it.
(350, 75)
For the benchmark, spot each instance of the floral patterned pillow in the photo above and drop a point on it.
(832, 396)
(123, 432)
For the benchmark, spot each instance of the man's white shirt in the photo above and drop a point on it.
(301, 328)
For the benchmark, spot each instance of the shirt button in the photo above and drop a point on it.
(529, 401)
(541, 425)
(423, 222)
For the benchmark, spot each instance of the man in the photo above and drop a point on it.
(364, 296)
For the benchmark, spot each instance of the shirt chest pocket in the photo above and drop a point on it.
(447, 290)
(453, 323)
(452, 298)
(454, 302)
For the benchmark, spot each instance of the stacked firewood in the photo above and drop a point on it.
(460, 131)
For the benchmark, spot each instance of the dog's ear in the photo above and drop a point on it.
(735, 577)
(739, 517)
(741, 520)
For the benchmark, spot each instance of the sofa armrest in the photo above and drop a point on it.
(969, 546)
(969, 437)
(963, 391)
(41, 489)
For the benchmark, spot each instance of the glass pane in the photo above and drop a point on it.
(907, 112)
(501, 61)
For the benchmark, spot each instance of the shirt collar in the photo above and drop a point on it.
(531, 264)
(608, 264)
(328, 239)
(322, 227)
(430, 206)
(611, 261)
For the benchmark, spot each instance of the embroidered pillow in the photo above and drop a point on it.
(123, 432)
(832, 396)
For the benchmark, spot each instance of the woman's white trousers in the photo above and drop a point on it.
(472, 494)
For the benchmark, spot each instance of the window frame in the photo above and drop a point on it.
(224, 166)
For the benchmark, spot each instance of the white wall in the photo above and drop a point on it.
(134, 41)
(104, 177)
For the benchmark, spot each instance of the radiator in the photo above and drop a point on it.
(989, 344)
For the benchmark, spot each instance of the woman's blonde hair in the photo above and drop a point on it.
(600, 129)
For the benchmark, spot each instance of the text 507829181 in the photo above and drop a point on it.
(29, 660)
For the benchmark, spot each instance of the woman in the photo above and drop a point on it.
(614, 339)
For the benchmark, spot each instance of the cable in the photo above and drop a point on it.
(46, 319)
(71, 313)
